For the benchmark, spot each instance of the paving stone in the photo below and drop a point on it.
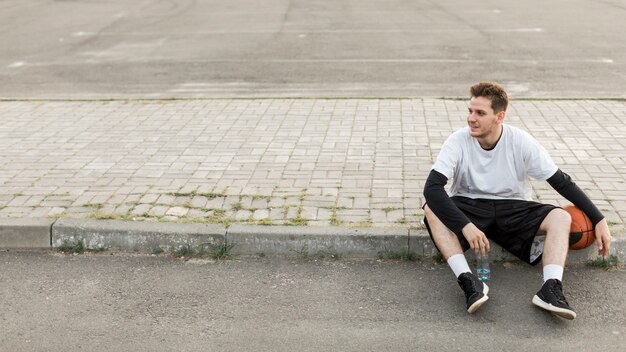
(141, 209)
(79, 210)
(395, 216)
(277, 214)
(261, 203)
(16, 211)
(19, 201)
(215, 203)
(132, 198)
(243, 215)
(39, 212)
(261, 214)
(158, 210)
(343, 202)
(56, 211)
(323, 214)
(123, 209)
(56, 203)
(309, 213)
(378, 216)
(117, 199)
(166, 199)
(197, 213)
(198, 202)
(292, 212)
(177, 211)
(229, 201)
(149, 198)
(246, 202)
(182, 201)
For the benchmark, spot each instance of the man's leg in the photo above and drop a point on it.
(556, 226)
(450, 248)
(446, 241)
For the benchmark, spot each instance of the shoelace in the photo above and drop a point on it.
(557, 290)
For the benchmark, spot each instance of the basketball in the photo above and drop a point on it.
(582, 234)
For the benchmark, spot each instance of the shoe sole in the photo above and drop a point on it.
(561, 312)
(474, 307)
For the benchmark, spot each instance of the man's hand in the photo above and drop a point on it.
(476, 238)
(603, 236)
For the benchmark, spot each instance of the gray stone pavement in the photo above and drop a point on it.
(315, 162)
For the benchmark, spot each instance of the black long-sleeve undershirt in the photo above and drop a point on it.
(443, 207)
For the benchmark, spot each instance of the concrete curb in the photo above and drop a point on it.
(348, 242)
(152, 237)
(25, 233)
(148, 237)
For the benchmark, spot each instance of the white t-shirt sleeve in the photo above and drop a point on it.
(539, 164)
(449, 156)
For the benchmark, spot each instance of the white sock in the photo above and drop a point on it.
(552, 271)
(458, 264)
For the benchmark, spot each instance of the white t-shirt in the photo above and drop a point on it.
(500, 173)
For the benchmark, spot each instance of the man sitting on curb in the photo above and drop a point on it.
(491, 198)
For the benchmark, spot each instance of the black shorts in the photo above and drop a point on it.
(512, 224)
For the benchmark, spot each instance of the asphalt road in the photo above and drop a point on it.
(327, 48)
(124, 302)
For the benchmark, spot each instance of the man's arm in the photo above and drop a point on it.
(450, 215)
(441, 204)
(563, 184)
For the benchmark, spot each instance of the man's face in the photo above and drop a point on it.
(482, 120)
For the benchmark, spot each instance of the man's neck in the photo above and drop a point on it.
(491, 141)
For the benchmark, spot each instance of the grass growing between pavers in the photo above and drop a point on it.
(365, 223)
(237, 206)
(609, 263)
(253, 209)
(335, 220)
(262, 222)
(209, 195)
(217, 217)
(387, 210)
(99, 215)
(233, 213)
(299, 220)
(402, 221)
(222, 217)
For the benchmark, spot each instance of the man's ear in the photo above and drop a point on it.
(501, 115)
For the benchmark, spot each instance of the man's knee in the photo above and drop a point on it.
(557, 219)
(435, 226)
(561, 216)
(428, 213)
(431, 220)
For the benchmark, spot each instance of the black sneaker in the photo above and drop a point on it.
(475, 291)
(551, 298)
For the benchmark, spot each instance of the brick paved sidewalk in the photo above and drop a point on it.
(274, 161)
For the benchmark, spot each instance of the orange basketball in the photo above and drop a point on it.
(582, 234)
